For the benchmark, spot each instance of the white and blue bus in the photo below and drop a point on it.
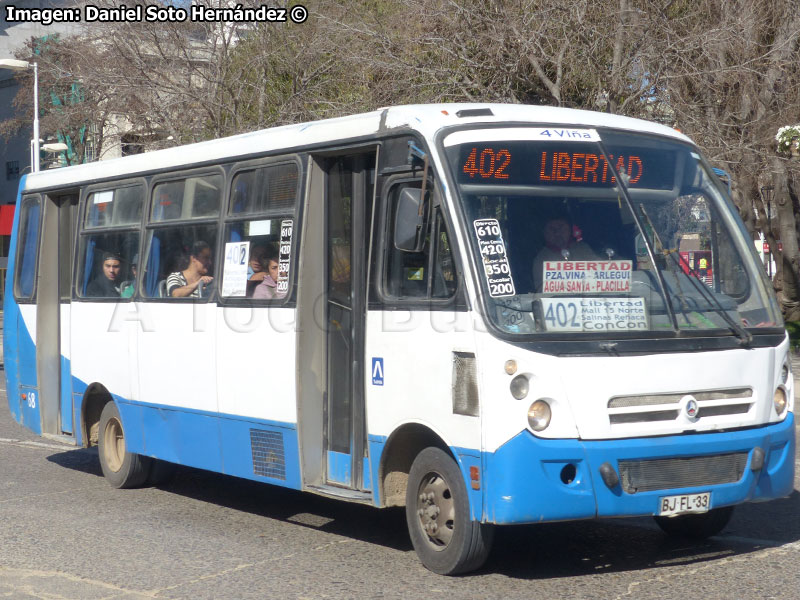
(478, 312)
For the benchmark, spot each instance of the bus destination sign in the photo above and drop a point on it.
(562, 163)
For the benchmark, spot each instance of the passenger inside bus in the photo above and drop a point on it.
(191, 281)
(106, 284)
(256, 268)
(127, 288)
(268, 288)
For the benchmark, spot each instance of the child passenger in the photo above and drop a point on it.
(268, 288)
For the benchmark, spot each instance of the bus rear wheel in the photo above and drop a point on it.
(696, 527)
(122, 469)
(446, 540)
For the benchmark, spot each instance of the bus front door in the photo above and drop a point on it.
(348, 192)
(331, 402)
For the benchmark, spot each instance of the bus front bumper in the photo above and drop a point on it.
(531, 480)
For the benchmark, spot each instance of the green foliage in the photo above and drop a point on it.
(793, 328)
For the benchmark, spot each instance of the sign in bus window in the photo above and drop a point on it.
(586, 276)
(234, 269)
(495, 262)
(576, 314)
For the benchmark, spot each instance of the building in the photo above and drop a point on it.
(15, 153)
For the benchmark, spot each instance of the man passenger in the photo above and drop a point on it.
(106, 285)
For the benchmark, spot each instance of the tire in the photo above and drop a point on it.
(696, 527)
(446, 540)
(122, 469)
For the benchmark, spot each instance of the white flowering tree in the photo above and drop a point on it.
(788, 138)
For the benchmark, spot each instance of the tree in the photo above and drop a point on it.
(730, 75)
(69, 110)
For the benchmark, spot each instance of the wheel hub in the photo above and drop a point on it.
(436, 510)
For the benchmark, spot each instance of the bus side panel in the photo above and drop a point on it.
(182, 436)
(28, 378)
(20, 365)
(19, 350)
(410, 360)
(257, 450)
(261, 450)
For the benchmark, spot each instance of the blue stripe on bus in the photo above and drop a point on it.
(524, 482)
(254, 449)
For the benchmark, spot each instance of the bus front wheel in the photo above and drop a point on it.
(121, 468)
(446, 540)
(698, 526)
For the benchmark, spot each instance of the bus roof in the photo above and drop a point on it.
(425, 118)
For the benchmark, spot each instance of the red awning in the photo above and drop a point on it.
(6, 218)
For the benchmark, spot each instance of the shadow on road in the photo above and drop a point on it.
(543, 551)
(614, 545)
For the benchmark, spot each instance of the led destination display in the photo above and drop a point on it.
(563, 163)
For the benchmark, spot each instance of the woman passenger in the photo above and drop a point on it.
(184, 284)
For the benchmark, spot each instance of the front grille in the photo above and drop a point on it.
(648, 408)
(673, 473)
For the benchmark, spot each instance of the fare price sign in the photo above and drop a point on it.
(495, 262)
(586, 276)
(594, 314)
(284, 256)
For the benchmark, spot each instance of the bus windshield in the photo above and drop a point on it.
(566, 248)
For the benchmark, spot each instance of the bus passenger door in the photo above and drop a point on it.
(332, 294)
(53, 314)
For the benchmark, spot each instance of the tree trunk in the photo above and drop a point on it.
(789, 256)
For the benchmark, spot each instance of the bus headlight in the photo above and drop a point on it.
(519, 387)
(786, 371)
(539, 415)
(779, 400)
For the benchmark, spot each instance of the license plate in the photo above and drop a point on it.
(685, 503)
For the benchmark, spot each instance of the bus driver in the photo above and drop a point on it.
(559, 244)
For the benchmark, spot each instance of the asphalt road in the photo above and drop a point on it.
(66, 534)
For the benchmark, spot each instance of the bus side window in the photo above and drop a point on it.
(257, 252)
(428, 274)
(27, 248)
(169, 252)
(109, 242)
(107, 261)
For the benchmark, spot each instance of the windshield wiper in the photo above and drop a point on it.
(745, 337)
(650, 253)
(665, 252)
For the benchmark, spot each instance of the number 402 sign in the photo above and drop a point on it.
(237, 255)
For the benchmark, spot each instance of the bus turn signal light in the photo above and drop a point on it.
(475, 477)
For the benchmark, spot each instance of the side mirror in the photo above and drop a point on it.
(409, 221)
